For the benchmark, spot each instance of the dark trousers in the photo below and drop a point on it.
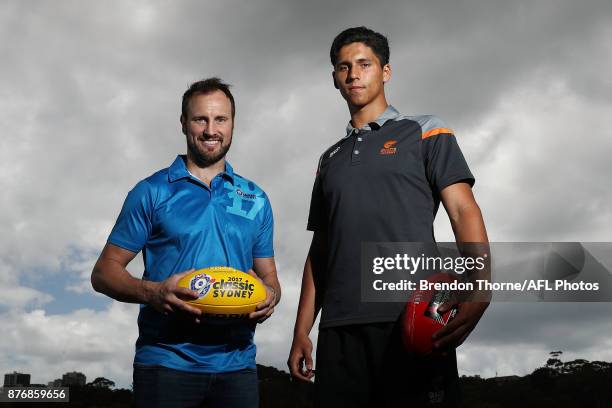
(156, 386)
(366, 366)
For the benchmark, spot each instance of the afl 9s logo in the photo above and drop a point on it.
(201, 283)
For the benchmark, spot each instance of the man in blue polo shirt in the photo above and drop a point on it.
(382, 182)
(194, 214)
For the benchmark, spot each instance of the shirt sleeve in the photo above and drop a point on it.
(264, 244)
(316, 215)
(133, 226)
(444, 162)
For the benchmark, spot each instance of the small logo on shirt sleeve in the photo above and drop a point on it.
(389, 147)
(334, 152)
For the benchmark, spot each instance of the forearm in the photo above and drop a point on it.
(308, 307)
(112, 279)
(272, 281)
(468, 225)
(265, 269)
(472, 240)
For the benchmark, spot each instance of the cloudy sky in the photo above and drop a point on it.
(89, 105)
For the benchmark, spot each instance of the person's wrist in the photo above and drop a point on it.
(147, 289)
(270, 287)
(300, 333)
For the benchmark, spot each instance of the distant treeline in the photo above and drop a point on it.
(558, 384)
(577, 383)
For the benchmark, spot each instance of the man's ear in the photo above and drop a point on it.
(386, 73)
(182, 119)
(334, 78)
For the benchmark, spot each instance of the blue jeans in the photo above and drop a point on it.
(156, 386)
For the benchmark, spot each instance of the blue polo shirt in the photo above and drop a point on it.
(181, 223)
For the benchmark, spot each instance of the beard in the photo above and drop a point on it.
(203, 158)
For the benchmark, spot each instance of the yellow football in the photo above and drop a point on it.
(224, 292)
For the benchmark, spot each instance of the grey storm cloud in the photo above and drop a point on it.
(90, 103)
(547, 323)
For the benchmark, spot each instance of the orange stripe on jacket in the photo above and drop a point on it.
(435, 132)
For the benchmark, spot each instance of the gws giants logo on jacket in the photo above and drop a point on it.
(389, 147)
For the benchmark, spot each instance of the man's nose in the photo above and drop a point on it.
(353, 73)
(210, 128)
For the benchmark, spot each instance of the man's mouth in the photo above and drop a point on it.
(211, 142)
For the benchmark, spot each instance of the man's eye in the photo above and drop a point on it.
(343, 68)
(366, 64)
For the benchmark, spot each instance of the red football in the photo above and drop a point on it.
(421, 318)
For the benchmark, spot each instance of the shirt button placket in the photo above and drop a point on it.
(214, 185)
(356, 156)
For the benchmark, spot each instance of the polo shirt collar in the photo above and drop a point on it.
(389, 114)
(178, 170)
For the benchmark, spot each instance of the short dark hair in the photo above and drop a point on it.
(376, 41)
(205, 87)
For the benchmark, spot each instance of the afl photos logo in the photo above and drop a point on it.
(201, 283)
(389, 147)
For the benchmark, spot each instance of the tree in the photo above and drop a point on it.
(554, 363)
(102, 382)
